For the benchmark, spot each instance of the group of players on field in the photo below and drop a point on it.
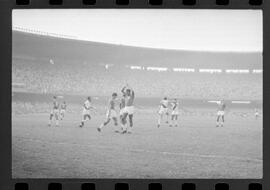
(167, 107)
(126, 105)
(58, 111)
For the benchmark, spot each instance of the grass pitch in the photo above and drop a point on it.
(195, 149)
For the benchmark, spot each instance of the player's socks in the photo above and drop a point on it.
(172, 123)
(217, 125)
(82, 124)
(159, 121)
(129, 129)
(100, 127)
(124, 128)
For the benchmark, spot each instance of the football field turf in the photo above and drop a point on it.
(194, 149)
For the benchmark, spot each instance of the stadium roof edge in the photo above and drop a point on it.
(129, 46)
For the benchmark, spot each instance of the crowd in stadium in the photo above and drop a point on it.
(91, 79)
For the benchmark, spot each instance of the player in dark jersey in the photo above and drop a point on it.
(63, 109)
(54, 112)
(221, 113)
(111, 112)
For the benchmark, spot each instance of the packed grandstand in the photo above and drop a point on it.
(44, 64)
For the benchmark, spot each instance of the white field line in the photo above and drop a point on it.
(157, 152)
(233, 102)
(241, 102)
(214, 101)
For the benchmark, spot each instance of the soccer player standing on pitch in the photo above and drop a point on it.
(86, 111)
(63, 108)
(129, 107)
(122, 109)
(257, 114)
(111, 112)
(175, 113)
(163, 109)
(221, 113)
(55, 112)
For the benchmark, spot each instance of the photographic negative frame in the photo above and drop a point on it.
(7, 182)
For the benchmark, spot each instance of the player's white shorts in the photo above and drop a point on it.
(55, 112)
(220, 113)
(175, 112)
(85, 112)
(62, 111)
(111, 114)
(129, 110)
(121, 112)
(163, 110)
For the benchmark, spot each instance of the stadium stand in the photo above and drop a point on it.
(55, 65)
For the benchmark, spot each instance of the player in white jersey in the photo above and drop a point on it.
(54, 112)
(163, 110)
(128, 111)
(63, 109)
(86, 111)
(111, 112)
(175, 113)
(221, 113)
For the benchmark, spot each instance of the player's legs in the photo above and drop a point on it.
(130, 120)
(107, 122)
(160, 116)
(167, 117)
(218, 117)
(56, 115)
(256, 115)
(175, 120)
(130, 117)
(62, 114)
(89, 116)
(223, 120)
(115, 121)
(172, 120)
(83, 120)
(50, 119)
(104, 124)
(124, 122)
(85, 115)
